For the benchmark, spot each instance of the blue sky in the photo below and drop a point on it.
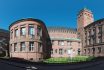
(52, 12)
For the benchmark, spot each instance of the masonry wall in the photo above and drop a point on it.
(64, 40)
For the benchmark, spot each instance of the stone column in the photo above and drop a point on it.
(19, 32)
(27, 30)
(97, 34)
(19, 46)
(27, 50)
(87, 37)
(13, 34)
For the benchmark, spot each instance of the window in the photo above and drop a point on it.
(85, 51)
(99, 34)
(79, 43)
(100, 29)
(23, 31)
(52, 42)
(55, 50)
(31, 30)
(61, 43)
(11, 48)
(69, 43)
(23, 46)
(88, 50)
(16, 32)
(99, 39)
(99, 49)
(31, 46)
(93, 51)
(15, 47)
(39, 46)
(39, 31)
(65, 51)
(60, 51)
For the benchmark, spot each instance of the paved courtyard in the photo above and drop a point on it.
(7, 65)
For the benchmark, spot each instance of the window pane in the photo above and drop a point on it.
(23, 46)
(16, 32)
(61, 43)
(60, 51)
(31, 31)
(39, 31)
(23, 31)
(15, 47)
(31, 46)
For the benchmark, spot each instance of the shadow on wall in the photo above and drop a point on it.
(47, 43)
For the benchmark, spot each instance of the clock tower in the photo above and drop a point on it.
(84, 18)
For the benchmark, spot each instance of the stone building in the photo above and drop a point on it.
(63, 40)
(4, 42)
(29, 40)
(84, 18)
(94, 39)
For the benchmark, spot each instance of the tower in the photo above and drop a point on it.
(84, 18)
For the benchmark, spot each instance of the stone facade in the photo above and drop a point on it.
(94, 39)
(85, 17)
(29, 40)
(64, 40)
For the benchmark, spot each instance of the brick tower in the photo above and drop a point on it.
(85, 17)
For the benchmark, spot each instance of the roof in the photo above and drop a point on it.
(84, 9)
(95, 22)
(27, 19)
(68, 39)
(62, 29)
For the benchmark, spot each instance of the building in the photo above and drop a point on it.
(29, 40)
(84, 18)
(65, 42)
(4, 42)
(94, 39)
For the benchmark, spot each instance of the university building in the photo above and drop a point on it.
(91, 33)
(29, 40)
(64, 40)
(94, 39)
(84, 18)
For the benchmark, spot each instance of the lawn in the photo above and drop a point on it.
(69, 60)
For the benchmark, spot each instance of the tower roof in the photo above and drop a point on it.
(85, 9)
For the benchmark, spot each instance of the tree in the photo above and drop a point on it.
(4, 46)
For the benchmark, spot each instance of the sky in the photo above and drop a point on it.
(61, 13)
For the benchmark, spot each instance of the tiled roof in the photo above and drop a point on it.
(95, 22)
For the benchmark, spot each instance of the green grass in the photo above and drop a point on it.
(69, 60)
